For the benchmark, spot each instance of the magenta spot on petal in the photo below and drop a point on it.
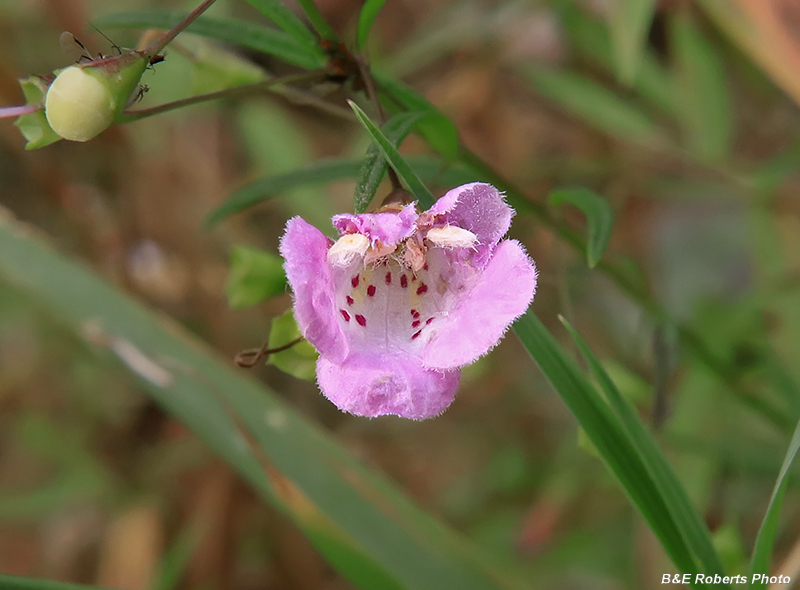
(371, 290)
(388, 278)
(414, 313)
(362, 321)
(349, 300)
(422, 289)
(425, 266)
(403, 281)
(354, 281)
(345, 315)
(416, 334)
(415, 324)
(428, 321)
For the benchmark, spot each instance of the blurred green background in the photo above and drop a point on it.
(691, 135)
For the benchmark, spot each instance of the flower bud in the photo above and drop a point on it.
(84, 101)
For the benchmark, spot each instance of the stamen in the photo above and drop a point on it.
(347, 248)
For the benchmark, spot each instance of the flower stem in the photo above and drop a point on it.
(136, 115)
(26, 109)
(247, 359)
(156, 46)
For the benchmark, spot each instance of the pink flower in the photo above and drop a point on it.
(402, 300)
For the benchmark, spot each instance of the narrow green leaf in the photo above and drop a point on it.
(344, 508)
(277, 12)
(299, 361)
(762, 552)
(701, 83)
(262, 189)
(592, 40)
(366, 19)
(630, 23)
(20, 583)
(396, 161)
(317, 20)
(594, 104)
(680, 508)
(227, 30)
(607, 435)
(599, 218)
(255, 276)
(374, 167)
(435, 127)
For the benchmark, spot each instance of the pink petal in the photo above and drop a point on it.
(497, 297)
(479, 208)
(305, 249)
(388, 228)
(372, 386)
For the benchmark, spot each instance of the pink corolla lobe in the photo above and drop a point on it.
(403, 299)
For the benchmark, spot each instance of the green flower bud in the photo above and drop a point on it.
(84, 100)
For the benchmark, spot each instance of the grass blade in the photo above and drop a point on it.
(270, 186)
(278, 13)
(436, 128)
(375, 165)
(366, 19)
(594, 104)
(684, 514)
(354, 516)
(706, 115)
(227, 30)
(316, 19)
(608, 436)
(599, 218)
(768, 531)
(396, 161)
(630, 23)
(20, 583)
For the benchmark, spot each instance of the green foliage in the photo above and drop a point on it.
(300, 360)
(594, 104)
(599, 218)
(375, 165)
(227, 30)
(415, 186)
(614, 431)
(255, 276)
(34, 126)
(630, 23)
(366, 18)
(768, 532)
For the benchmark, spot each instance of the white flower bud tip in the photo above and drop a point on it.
(78, 106)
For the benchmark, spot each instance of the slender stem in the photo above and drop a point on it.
(247, 359)
(130, 116)
(156, 46)
(26, 109)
